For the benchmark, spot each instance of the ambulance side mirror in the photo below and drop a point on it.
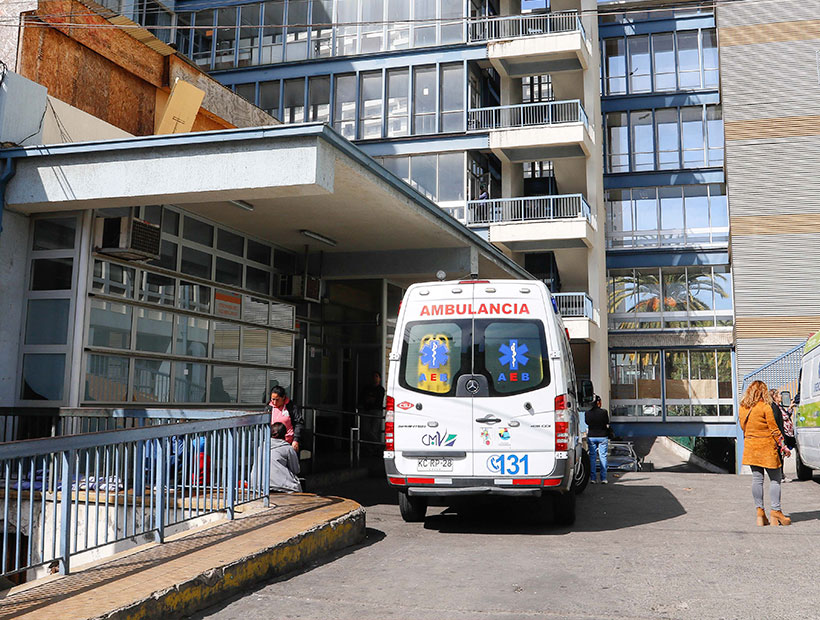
(786, 398)
(587, 392)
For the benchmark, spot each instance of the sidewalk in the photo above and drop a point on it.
(197, 568)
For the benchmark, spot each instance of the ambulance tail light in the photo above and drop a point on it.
(389, 408)
(561, 424)
(473, 281)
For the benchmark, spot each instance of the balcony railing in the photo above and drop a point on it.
(517, 26)
(574, 305)
(527, 209)
(527, 115)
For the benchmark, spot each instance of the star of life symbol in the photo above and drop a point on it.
(434, 354)
(513, 354)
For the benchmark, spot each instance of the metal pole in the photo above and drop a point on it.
(65, 512)
(231, 483)
(266, 465)
(158, 490)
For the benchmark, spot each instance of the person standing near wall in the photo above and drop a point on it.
(597, 420)
(284, 410)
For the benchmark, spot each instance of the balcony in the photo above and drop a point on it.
(535, 131)
(578, 315)
(536, 223)
(519, 45)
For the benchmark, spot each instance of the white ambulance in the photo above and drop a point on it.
(482, 398)
(807, 417)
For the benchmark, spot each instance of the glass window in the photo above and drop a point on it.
(643, 143)
(344, 106)
(106, 378)
(624, 373)
(424, 100)
(322, 34)
(198, 232)
(347, 16)
(170, 222)
(711, 76)
(451, 21)
(224, 384)
(622, 291)
(226, 341)
(54, 233)
(432, 356)
(714, 134)
(397, 106)
(513, 357)
(294, 101)
(255, 310)
(400, 166)
(154, 330)
(674, 289)
(297, 31)
(51, 274)
(425, 20)
(203, 38)
(247, 92)
(663, 53)
(280, 349)
(688, 59)
(113, 279)
(257, 280)
(718, 209)
(196, 263)
(646, 209)
(692, 136)
(258, 252)
(677, 375)
(269, 97)
(194, 297)
(703, 382)
(272, 31)
(183, 31)
(398, 16)
(451, 170)
(43, 376)
(319, 99)
(226, 38)
(192, 336)
(640, 79)
(152, 381)
(189, 382)
(252, 386)
(47, 321)
(724, 375)
(157, 289)
(423, 174)
(370, 106)
(666, 123)
(228, 272)
(452, 97)
(372, 26)
(615, 65)
(617, 141)
(696, 204)
(254, 345)
(700, 288)
(620, 208)
(649, 375)
(649, 290)
(249, 29)
(109, 324)
(230, 243)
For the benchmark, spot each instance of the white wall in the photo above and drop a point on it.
(13, 254)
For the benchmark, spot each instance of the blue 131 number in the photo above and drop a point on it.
(510, 464)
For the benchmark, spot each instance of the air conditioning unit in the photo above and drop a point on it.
(127, 238)
(307, 288)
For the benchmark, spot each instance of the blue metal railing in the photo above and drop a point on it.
(518, 26)
(68, 495)
(528, 208)
(527, 115)
(574, 305)
(779, 374)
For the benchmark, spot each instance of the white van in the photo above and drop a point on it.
(807, 418)
(481, 397)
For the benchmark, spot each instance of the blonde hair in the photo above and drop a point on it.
(757, 392)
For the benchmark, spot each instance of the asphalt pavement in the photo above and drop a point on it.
(671, 543)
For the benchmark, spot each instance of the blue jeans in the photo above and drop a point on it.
(598, 448)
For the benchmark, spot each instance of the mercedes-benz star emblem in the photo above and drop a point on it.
(472, 386)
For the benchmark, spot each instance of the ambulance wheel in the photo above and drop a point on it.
(582, 473)
(564, 508)
(413, 509)
(803, 472)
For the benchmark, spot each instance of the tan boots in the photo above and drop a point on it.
(777, 517)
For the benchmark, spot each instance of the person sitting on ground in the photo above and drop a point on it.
(597, 420)
(284, 462)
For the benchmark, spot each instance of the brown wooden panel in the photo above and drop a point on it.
(787, 126)
(769, 33)
(784, 224)
(776, 326)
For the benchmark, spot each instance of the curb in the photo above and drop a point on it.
(218, 584)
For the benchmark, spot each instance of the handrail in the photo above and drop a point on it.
(528, 208)
(574, 305)
(493, 28)
(527, 115)
(64, 496)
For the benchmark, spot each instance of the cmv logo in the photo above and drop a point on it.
(439, 439)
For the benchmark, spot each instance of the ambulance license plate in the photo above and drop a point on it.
(434, 464)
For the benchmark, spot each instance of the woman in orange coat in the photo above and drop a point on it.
(763, 444)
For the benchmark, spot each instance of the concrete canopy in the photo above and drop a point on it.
(295, 178)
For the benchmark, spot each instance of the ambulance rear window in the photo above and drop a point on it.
(514, 354)
(432, 355)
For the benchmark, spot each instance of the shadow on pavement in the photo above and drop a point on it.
(810, 515)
